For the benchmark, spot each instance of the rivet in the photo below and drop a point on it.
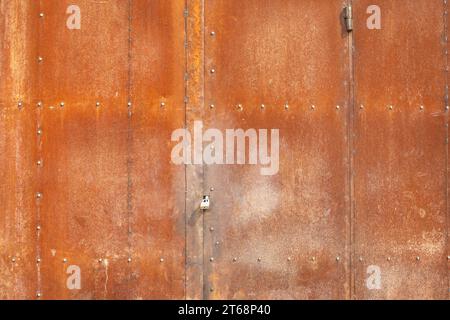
(129, 104)
(417, 258)
(100, 260)
(313, 259)
(313, 107)
(129, 260)
(38, 228)
(40, 59)
(286, 106)
(38, 295)
(38, 195)
(391, 107)
(289, 259)
(217, 243)
(263, 106)
(338, 107)
(447, 107)
(235, 259)
(213, 71)
(212, 189)
(13, 260)
(361, 259)
(422, 107)
(62, 104)
(211, 289)
(211, 259)
(388, 258)
(41, 15)
(240, 107)
(361, 107)
(39, 132)
(39, 104)
(38, 260)
(20, 105)
(338, 259)
(163, 104)
(212, 106)
(448, 258)
(212, 33)
(97, 104)
(211, 229)
(39, 162)
(161, 260)
(259, 259)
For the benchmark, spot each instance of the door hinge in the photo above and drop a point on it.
(348, 18)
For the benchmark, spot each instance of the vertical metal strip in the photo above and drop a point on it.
(194, 103)
(446, 106)
(39, 126)
(351, 151)
(129, 144)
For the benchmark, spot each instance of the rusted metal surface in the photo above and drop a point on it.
(400, 152)
(358, 208)
(17, 151)
(282, 236)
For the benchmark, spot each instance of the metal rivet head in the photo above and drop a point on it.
(211, 259)
(38, 295)
(213, 71)
(62, 104)
(39, 132)
(39, 104)
(40, 59)
(41, 15)
(211, 289)
(212, 189)
(422, 107)
(129, 104)
(361, 107)
(38, 195)
(97, 104)
(259, 259)
(286, 106)
(212, 106)
(129, 260)
(163, 104)
(100, 260)
(235, 259)
(338, 259)
(391, 107)
(20, 104)
(211, 229)
(38, 228)
(338, 107)
(39, 162)
(212, 33)
(447, 107)
(361, 259)
(13, 260)
(313, 259)
(388, 259)
(217, 243)
(38, 260)
(263, 106)
(64, 260)
(417, 258)
(448, 258)
(240, 107)
(161, 260)
(289, 259)
(313, 107)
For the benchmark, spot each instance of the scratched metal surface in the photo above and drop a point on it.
(400, 154)
(17, 151)
(285, 231)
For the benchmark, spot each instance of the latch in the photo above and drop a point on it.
(204, 205)
(348, 18)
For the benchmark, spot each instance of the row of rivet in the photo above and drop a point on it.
(97, 104)
(235, 259)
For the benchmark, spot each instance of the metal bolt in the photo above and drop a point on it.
(130, 104)
(20, 105)
(41, 15)
(361, 107)
(64, 260)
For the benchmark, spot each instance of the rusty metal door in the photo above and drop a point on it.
(92, 207)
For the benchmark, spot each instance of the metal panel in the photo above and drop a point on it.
(400, 151)
(282, 236)
(17, 150)
(83, 148)
(157, 187)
